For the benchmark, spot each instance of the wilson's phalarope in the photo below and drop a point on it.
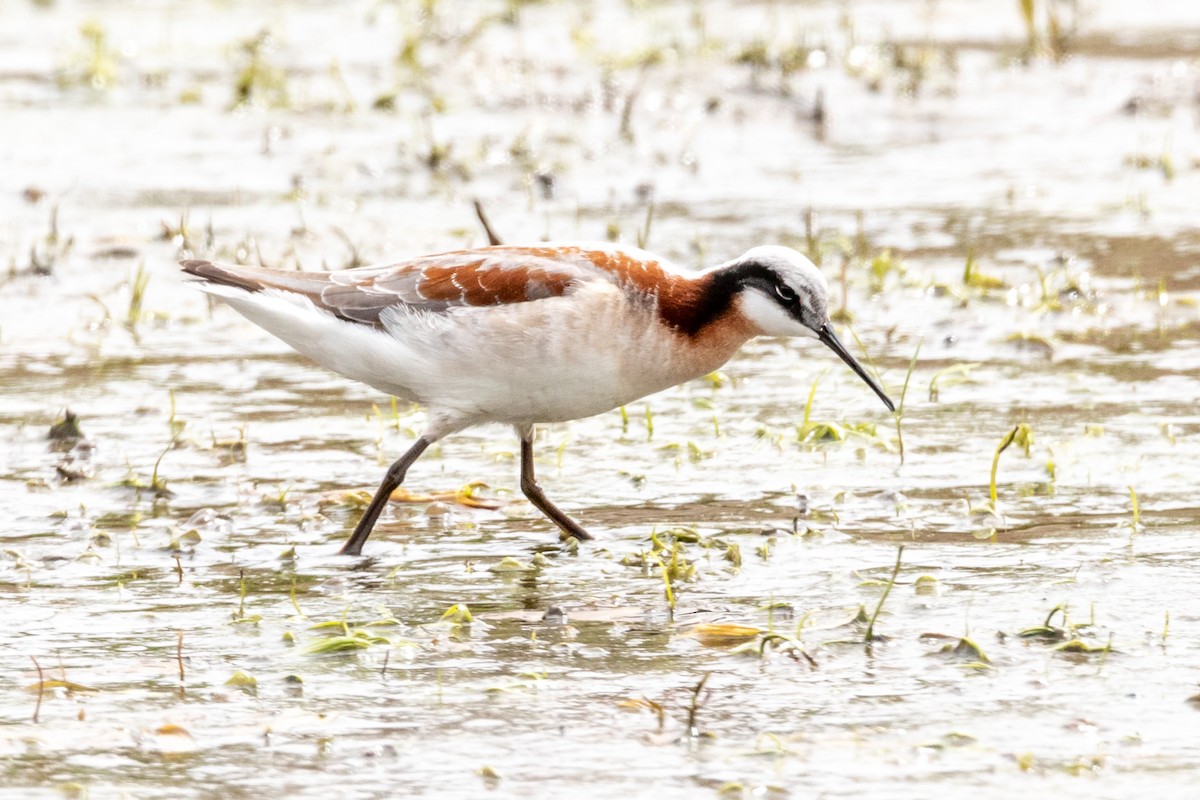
(526, 335)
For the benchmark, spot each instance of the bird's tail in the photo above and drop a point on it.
(255, 279)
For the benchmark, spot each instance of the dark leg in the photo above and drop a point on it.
(391, 480)
(534, 493)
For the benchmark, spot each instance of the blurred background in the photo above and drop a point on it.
(1003, 195)
(271, 125)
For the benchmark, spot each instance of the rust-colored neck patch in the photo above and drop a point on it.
(685, 304)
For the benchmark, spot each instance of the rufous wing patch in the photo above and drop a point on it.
(483, 284)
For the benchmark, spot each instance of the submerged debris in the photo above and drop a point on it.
(66, 429)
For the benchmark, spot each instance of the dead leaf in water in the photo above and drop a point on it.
(70, 686)
(723, 634)
(466, 496)
(171, 730)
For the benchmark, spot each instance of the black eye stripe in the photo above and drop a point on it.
(769, 282)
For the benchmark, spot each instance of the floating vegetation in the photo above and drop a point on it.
(1022, 436)
(157, 483)
(1084, 648)
(1068, 636)
(244, 681)
(812, 432)
(951, 376)
(1163, 163)
(491, 778)
(1135, 509)
(899, 414)
(973, 278)
(348, 105)
(95, 66)
(1048, 33)
(185, 541)
(1063, 288)
(1032, 342)
(456, 619)
(137, 296)
(351, 640)
(870, 635)
(235, 447)
(724, 634)
(882, 270)
(927, 585)
(47, 251)
(240, 617)
(66, 428)
(343, 635)
(961, 649)
(673, 556)
(511, 564)
(469, 495)
(259, 81)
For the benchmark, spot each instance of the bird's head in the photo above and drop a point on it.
(783, 294)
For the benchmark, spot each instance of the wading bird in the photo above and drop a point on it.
(527, 335)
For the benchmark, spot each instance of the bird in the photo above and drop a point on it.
(525, 335)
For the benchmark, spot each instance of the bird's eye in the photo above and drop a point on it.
(786, 293)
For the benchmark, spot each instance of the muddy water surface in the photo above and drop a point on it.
(179, 623)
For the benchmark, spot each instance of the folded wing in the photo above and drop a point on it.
(485, 277)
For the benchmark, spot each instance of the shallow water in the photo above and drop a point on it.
(1072, 182)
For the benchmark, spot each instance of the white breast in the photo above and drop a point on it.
(548, 361)
(551, 360)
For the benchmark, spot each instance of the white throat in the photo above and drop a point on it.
(770, 318)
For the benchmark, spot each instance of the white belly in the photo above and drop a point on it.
(550, 360)
(546, 361)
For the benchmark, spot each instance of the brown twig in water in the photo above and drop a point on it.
(355, 258)
(37, 710)
(179, 654)
(696, 704)
(493, 239)
(643, 235)
(626, 129)
(812, 248)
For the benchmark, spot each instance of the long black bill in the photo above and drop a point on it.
(826, 335)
